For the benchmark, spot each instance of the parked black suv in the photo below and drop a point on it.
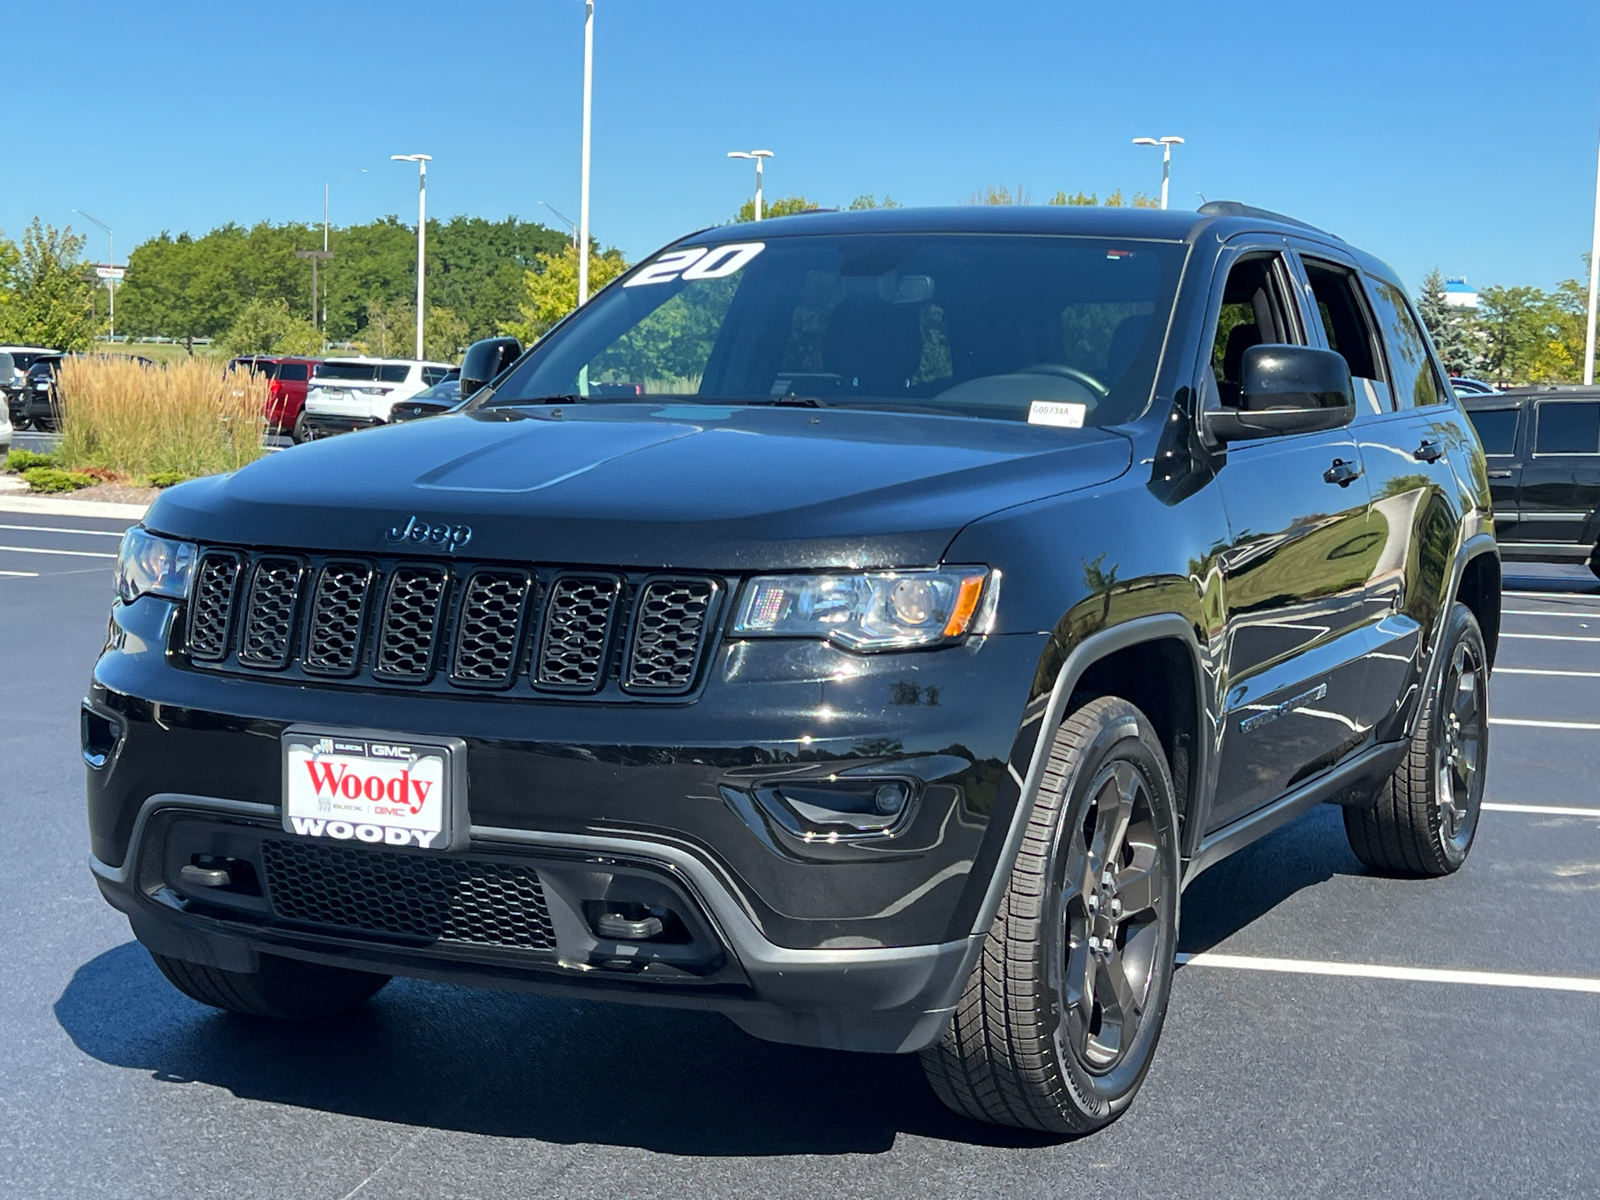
(863, 625)
(1543, 448)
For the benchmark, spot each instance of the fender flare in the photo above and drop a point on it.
(1472, 548)
(1049, 711)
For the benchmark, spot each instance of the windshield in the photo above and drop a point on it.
(447, 392)
(366, 372)
(975, 325)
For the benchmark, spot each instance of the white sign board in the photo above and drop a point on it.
(111, 272)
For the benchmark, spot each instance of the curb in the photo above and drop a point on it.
(50, 506)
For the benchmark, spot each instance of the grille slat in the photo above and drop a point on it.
(577, 632)
(409, 627)
(338, 609)
(269, 614)
(669, 628)
(216, 583)
(408, 895)
(493, 609)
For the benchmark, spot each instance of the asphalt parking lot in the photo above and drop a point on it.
(1332, 1035)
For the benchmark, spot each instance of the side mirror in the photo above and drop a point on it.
(486, 359)
(1286, 389)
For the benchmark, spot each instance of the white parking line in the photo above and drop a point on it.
(1548, 595)
(70, 553)
(1299, 966)
(54, 529)
(20, 574)
(1542, 671)
(1542, 810)
(1549, 637)
(1504, 612)
(1526, 724)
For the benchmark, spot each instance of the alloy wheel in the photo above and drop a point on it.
(1459, 764)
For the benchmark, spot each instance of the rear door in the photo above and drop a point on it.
(1561, 478)
(1500, 429)
(1294, 571)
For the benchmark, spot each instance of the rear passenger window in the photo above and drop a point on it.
(1412, 377)
(1567, 427)
(1497, 429)
(1348, 329)
(292, 372)
(433, 375)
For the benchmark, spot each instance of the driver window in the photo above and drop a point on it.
(1256, 311)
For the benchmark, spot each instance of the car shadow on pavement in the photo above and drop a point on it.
(1237, 891)
(520, 1066)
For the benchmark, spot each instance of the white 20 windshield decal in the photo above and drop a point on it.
(698, 263)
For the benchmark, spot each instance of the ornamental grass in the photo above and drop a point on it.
(179, 419)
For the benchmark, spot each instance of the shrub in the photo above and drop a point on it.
(19, 461)
(166, 479)
(187, 418)
(51, 479)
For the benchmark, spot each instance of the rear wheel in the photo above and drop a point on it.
(285, 988)
(1426, 813)
(1594, 559)
(302, 429)
(1059, 1022)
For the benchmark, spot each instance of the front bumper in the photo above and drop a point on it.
(856, 946)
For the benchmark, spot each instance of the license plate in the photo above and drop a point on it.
(368, 789)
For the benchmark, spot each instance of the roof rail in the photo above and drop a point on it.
(1232, 208)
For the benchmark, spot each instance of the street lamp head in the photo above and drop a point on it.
(411, 157)
(761, 154)
(751, 154)
(1145, 142)
(1172, 141)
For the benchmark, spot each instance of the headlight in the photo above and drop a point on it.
(875, 610)
(153, 566)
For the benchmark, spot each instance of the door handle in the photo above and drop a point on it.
(1499, 474)
(1430, 451)
(1342, 473)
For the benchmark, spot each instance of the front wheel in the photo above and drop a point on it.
(1059, 1022)
(1426, 814)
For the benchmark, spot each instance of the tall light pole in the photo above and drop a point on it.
(422, 161)
(111, 280)
(326, 188)
(1166, 144)
(759, 156)
(583, 189)
(1594, 288)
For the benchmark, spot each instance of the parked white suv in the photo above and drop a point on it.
(358, 393)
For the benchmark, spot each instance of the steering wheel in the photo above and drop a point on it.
(1083, 377)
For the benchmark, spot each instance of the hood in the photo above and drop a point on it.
(647, 486)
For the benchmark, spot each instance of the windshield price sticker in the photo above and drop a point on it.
(698, 263)
(358, 789)
(1064, 414)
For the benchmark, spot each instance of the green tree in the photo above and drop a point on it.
(1076, 199)
(1001, 195)
(266, 326)
(785, 206)
(1459, 346)
(50, 301)
(550, 289)
(866, 202)
(1517, 324)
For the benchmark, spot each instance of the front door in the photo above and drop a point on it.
(1295, 571)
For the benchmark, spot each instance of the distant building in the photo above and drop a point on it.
(1458, 295)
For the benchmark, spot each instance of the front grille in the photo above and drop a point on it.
(211, 611)
(577, 630)
(409, 626)
(441, 626)
(337, 615)
(668, 634)
(408, 895)
(269, 616)
(492, 613)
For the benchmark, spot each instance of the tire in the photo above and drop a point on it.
(1426, 814)
(1594, 560)
(302, 429)
(284, 988)
(1035, 1041)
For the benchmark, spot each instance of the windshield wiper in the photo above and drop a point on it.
(782, 401)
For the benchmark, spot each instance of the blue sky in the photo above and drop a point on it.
(1459, 135)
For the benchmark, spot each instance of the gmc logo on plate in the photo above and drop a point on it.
(417, 532)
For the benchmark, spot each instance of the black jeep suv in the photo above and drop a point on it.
(862, 625)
